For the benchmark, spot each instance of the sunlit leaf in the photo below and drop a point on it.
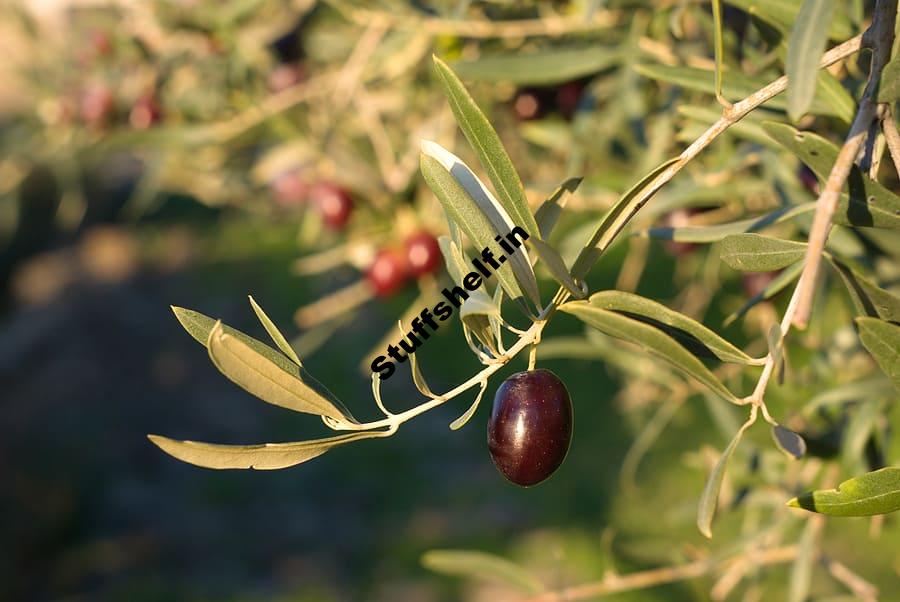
(556, 265)
(614, 222)
(467, 415)
(869, 299)
(709, 499)
(685, 330)
(737, 85)
(882, 339)
(487, 145)
(873, 493)
(649, 338)
(758, 253)
(273, 331)
(200, 326)
(869, 204)
(476, 212)
(265, 456)
(479, 565)
(541, 68)
(549, 211)
(805, 48)
(261, 377)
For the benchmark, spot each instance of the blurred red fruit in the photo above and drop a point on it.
(423, 254)
(679, 219)
(145, 112)
(528, 105)
(388, 272)
(567, 98)
(754, 283)
(809, 180)
(285, 76)
(289, 189)
(100, 43)
(333, 203)
(97, 104)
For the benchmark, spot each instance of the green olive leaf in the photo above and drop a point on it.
(882, 339)
(738, 85)
(200, 327)
(479, 565)
(869, 204)
(556, 265)
(472, 207)
(889, 87)
(868, 298)
(688, 332)
(614, 222)
(273, 331)
(649, 338)
(545, 67)
(789, 442)
(261, 377)
(805, 49)
(802, 568)
(265, 456)
(869, 494)
(717, 232)
(549, 211)
(863, 421)
(709, 499)
(782, 14)
(467, 415)
(487, 145)
(757, 253)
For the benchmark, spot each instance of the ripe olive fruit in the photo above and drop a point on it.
(334, 204)
(423, 254)
(387, 273)
(530, 426)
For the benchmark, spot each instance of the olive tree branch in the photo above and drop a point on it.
(613, 583)
(880, 37)
(892, 137)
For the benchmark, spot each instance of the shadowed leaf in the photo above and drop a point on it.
(882, 339)
(788, 441)
(873, 493)
(758, 253)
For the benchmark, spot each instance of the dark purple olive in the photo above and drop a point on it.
(530, 427)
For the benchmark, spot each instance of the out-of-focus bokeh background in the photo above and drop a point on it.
(190, 152)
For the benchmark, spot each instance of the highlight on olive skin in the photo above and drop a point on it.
(530, 428)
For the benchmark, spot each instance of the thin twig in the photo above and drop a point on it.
(550, 25)
(881, 38)
(612, 584)
(892, 137)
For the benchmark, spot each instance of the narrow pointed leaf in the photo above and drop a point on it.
(200, 326)
(649, 338)
(479, 565)
(261, 377)
(542, 68)
(868, 204)
(266, 456)
(549, 211)
(717, 232)
(802, 568)
(805, 48)
(718, 44)
(467, 415)
(273, 331)
(889, 88)
(685, 330)
(709, 499)
(473, 209)
(556, 265)
(788, 441)
(758, 253)
(487, 145)
(419, 378)
(614, 222)
(873, 493)
(869, 298)
(882, 339)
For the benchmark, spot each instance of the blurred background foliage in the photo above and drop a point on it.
(191, 151)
